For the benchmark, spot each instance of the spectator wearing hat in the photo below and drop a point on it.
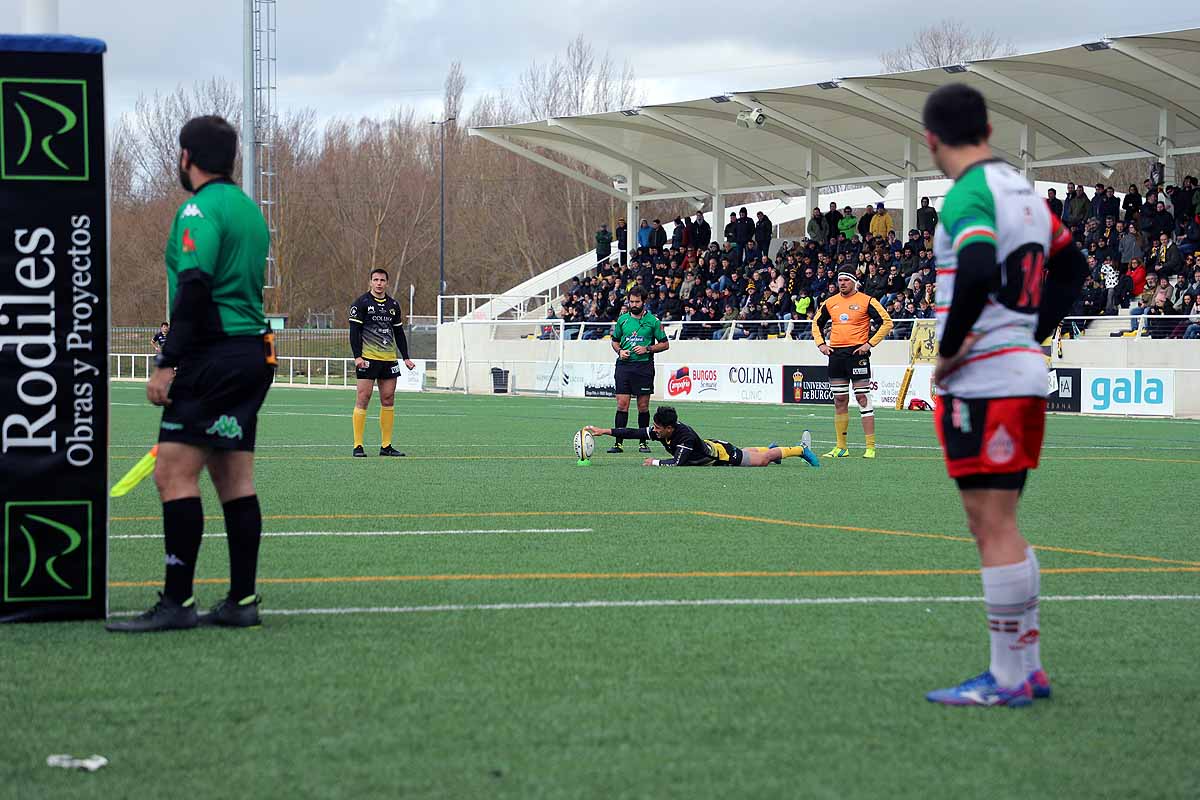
(864, 223)
(1132, 203)
(881, 222)
(927, 217)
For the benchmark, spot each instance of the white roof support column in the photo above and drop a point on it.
(632, 211)
(990, 74)
(718, 205)
(1166, 141)
(500, 141)
(910, 188)
(810, 183)
(1026, 150)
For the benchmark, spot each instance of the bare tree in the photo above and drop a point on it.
(942, 44)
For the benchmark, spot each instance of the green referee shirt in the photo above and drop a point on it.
(221, 232)
(631, 331)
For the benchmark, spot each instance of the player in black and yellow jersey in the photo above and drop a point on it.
(850, 315)
(376, 332)
(687, 449)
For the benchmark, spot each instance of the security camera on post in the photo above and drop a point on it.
(754, 118)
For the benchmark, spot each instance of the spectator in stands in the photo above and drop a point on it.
(623, 241)
(643, 235)
(1183, 200)
(1164, 220)
(764, 230)
(658, 235)
(847, 225)
(1076, 210)
(864, 223)
(603, 243)
(743, 229)
(1137, 276)
(1132, 203)
(1067, 196)
(1056, 206)
(818, 227)
(678, 237)
(1130, 246)
(1156, 326)
(833, 218)
(751, 253)
(731, 228)
(1096, 207)
(1192, 331)
(881, 222)
(927, 217)
(1194, 287)
(1166, 258)
(703, 232)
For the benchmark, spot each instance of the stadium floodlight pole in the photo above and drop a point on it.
(442, 234)
(249, 169)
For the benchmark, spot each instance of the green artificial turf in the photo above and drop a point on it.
(445, 689)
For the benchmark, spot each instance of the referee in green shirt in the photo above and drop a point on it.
(211, 379)
(636, 337)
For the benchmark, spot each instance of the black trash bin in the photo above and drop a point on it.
(499, 381)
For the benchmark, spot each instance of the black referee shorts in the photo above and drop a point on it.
(634, 378)
(846, 365)
(217, 393)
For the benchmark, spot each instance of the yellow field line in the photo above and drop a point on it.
(592, 576)
(710, 514)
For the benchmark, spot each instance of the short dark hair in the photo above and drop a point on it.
(666, 416)
(211, 143)
(637, 291)
(380, 271)
(164, 323)
(956, 114)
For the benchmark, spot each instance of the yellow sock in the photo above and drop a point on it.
(870, 441)
(386, 417)
(841, 424)
(360, 422)
(792, 452)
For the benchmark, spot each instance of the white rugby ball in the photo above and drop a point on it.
(585, 444)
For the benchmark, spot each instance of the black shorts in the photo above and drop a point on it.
(726, 454)
(217, 393)
(634, 378)
(845, 365)
(378, 371)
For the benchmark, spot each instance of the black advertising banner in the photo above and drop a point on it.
(54, 326)
(1064, 391)
(806, 384)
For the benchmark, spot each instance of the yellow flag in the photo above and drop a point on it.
(136, 475)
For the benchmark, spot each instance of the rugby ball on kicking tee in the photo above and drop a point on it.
(585, 445)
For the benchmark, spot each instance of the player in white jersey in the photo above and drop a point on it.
(1007, 272)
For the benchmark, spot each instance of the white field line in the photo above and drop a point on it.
(377, 533)
(727, 602)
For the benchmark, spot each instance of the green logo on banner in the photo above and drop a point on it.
(47, 550)
(43, 130)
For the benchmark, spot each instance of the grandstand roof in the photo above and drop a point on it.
(1097, 103)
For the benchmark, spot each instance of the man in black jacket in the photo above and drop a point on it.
(864, 223)
(743, 229)
(1056, 206)
(703, 232)
(927, 217)
(763, 231)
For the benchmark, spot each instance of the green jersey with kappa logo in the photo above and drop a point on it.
(221, 232)
(630, 331)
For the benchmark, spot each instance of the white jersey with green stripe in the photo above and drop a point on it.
(991, 202)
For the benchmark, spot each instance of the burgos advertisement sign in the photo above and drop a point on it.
(726, 383)
(1133, 392)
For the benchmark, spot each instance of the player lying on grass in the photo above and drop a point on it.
(687, 449)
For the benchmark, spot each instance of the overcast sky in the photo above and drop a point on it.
(353, 57)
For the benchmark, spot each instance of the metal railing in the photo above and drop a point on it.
(731, 330)
(297, 342)
(292, 370)
(1134, 325)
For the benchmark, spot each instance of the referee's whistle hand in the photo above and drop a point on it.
(623, 354)
(159, 386)
(641, 350)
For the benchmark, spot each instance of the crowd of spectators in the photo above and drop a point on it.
(1142, 250)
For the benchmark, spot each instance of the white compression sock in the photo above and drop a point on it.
(1006, 595)
(1031, 633)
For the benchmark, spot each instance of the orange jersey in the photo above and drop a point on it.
(851, 318)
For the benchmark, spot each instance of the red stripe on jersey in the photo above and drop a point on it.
(945, 271)
(1060, 236)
